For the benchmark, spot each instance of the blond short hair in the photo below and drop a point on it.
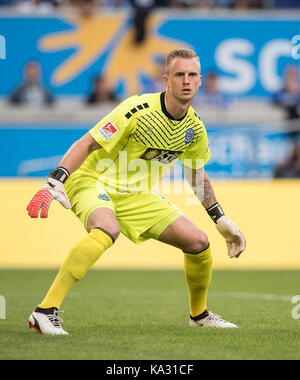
(179, 53)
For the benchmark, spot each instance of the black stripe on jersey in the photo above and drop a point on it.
(197, 133)
(180, 135)
(160, 119)
(199, 128)
(182, 145)
(178, 128)
(146, 105)
(170, 124)
(153, 123)
(164, 135)
(179, 147)
(184, 122)
(153, 133)
(144, 136)
(134, 110)
(138, 140)
(180, 124)
(128, 115)
(174, 135)
(179, 139)
(197, 116)
(189, 122)
(158, 122)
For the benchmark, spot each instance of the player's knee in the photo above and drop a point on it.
(115, 230)
(198, 243)
(105, 220)
(112, 229)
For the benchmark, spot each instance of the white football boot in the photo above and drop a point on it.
(46, 321)
(211, 320)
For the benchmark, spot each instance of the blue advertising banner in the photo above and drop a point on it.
(237, 151)
(249, 52)
(246, 151)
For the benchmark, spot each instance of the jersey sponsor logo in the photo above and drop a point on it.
(189, 135)
(163, 156)
(108, 130)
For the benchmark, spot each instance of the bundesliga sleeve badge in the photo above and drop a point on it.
(108, 131)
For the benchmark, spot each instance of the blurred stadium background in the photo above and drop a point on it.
(75, 60)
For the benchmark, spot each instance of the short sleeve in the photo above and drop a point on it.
(114, 127)
(198, 153)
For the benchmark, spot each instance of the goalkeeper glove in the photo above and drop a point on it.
(53, 189)
(235, 240)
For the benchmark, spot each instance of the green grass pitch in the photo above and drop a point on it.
(135, 315)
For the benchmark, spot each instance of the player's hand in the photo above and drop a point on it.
(53, 189)
(235, 240)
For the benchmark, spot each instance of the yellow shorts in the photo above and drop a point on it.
(141, 215)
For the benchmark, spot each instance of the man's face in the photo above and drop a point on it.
(183, 79)
(32, 73)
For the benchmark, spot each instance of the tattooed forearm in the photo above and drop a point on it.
(209, 198)
(201, 185)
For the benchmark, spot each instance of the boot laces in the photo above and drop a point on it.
(215, 317)
(55, 319)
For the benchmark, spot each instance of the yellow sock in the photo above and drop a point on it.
(198, 269)
(80, 260)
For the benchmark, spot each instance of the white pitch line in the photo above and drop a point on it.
(268, 297)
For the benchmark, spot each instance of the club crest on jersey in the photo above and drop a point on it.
(108, 130)
(163, 156)
(189, 135)
(104, 197)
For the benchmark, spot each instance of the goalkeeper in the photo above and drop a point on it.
(98, 179)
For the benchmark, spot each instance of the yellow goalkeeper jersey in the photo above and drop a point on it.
(140, 141)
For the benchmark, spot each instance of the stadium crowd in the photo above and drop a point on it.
(46, 6)
(32, 91)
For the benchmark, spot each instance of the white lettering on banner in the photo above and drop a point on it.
(242, 150)
(267, 64)
(231, 57)
(296, 309)
(2, 47)
(227, 60)
(271, 152)
(296, 48)
(2, 307)
(231, 149)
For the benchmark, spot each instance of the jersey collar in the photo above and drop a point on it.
(164, 108)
